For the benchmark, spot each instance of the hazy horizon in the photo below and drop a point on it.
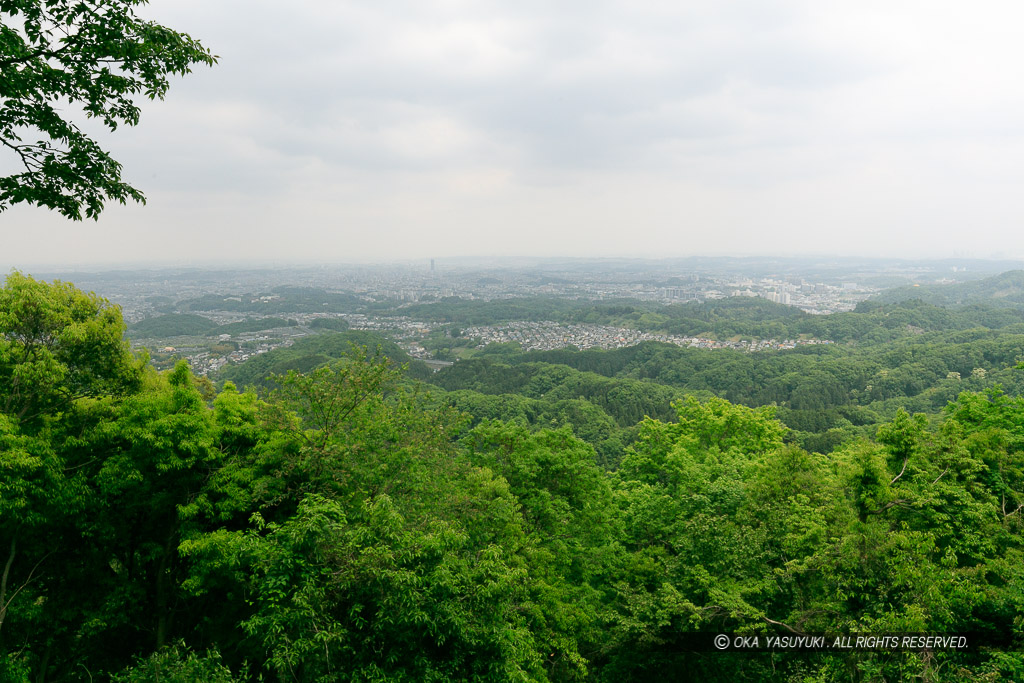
(987, 266)
(447, 128)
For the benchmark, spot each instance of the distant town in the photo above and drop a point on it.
(386, 298)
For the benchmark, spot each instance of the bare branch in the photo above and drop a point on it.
(26, 159)
(940, 476)
(898, 502)
(785, 626)
(26, 582)
(3, 582)
(905, 461)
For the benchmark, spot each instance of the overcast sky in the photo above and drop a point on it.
(336, 131)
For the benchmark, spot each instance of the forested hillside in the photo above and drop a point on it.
(565, 516)
(825, 394)
(1005, 289)
(311, 352)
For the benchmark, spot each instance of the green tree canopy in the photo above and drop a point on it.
(98, 55)
(57, 344)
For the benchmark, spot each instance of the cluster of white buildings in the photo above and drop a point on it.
(545, 336)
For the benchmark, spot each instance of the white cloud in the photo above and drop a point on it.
(454, 126)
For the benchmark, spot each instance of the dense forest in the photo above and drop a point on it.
(335, 513)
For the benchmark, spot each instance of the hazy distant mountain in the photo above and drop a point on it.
(1006, 289)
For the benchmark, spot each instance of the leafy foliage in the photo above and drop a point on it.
(347, 525)
(58, 344)
(176, 665)
(96, 55)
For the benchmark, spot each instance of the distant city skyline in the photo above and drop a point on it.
(442, 264)
(445, 128)
(963, 264)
